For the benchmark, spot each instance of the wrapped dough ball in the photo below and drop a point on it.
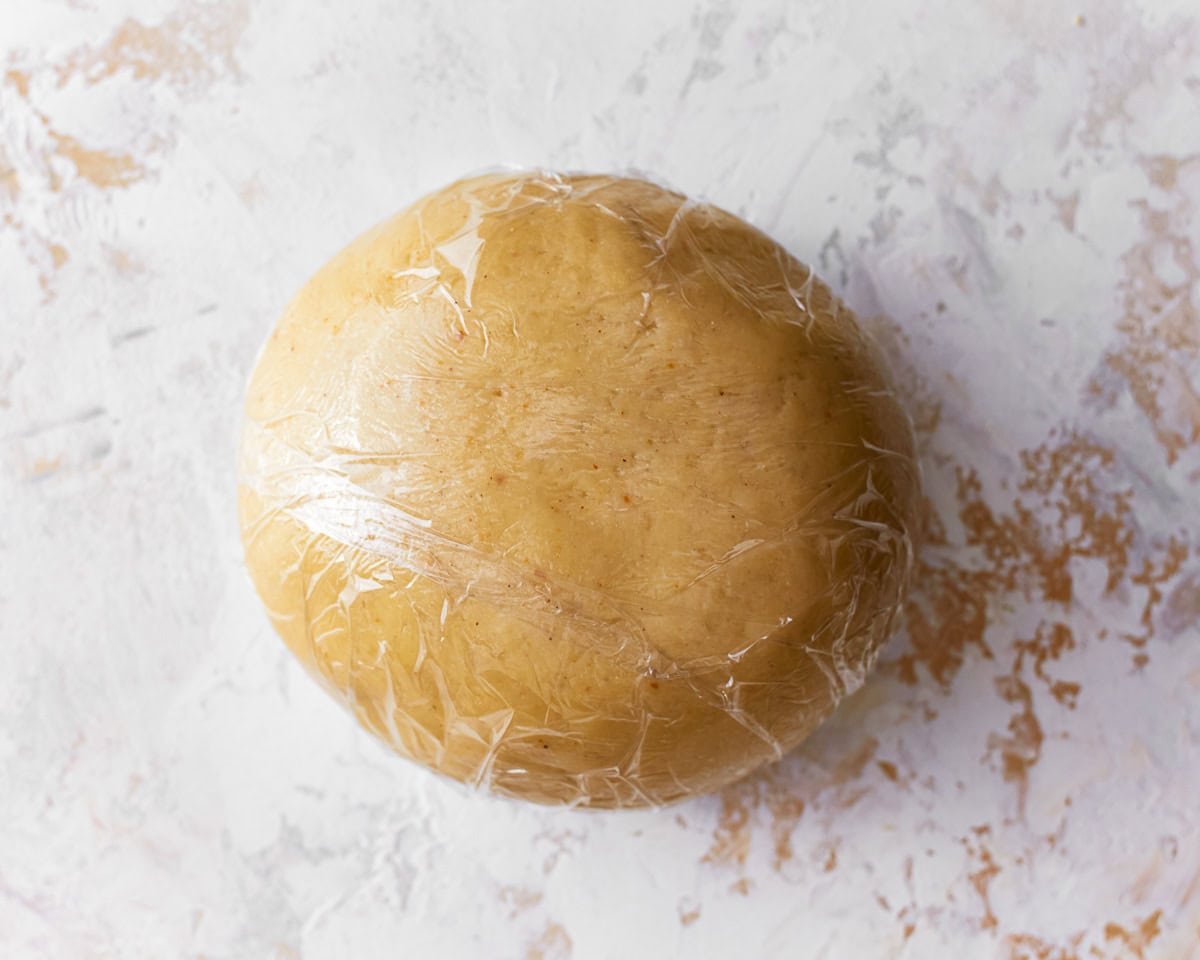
(576, 490)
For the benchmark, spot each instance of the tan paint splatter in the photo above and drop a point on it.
(251, 191)
(986, 870)
(786, 811)
(19, 81)
(1067, 476)
(1157, 356)
(1182, 608)
(1107, 102)
(1065, 511)
(554, 944)
(731, 838)
(58, 256)
(1114, 942)
(1068, 510)
(776, 791)
(946, 613)
(519, 899)
(1021, 747)
(1025, 946)
(1049, 642)
(122, 261)
(689, 912)
(1163, 170)
(1065, 208)
(195, 45)
(995, 196)
(1137, 938)
(1152, 575)
(989, 195)
(10, 182)
(44, 150)
(102, 168)
(43, 467)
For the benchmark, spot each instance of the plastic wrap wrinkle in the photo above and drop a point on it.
(734, 500)
(332, 506)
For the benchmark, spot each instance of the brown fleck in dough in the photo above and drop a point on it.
(576, 490)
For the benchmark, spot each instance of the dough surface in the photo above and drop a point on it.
(576, 490)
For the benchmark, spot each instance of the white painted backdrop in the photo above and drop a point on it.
(1007, 190)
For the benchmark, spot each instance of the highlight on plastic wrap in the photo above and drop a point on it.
(576, 490)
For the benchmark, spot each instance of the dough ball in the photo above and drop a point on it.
(576, 490)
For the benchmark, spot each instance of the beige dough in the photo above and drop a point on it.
(576, 490)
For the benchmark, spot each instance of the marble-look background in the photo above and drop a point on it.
(1008, 191)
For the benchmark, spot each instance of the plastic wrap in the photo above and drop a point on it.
(576, 490)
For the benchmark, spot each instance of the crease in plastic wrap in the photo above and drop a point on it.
(576, 490)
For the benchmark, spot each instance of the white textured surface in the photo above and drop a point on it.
(1008, 191)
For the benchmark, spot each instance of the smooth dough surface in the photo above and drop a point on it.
(576, 490)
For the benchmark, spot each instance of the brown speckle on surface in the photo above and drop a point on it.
(981, 877)
(731, 838)
(554, 944)
(1181, 610)
(689, 912)
(101, 168)
(1157, 356)
(1137, 937)
(519, 899)
(194, 45)
(1021, 746)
